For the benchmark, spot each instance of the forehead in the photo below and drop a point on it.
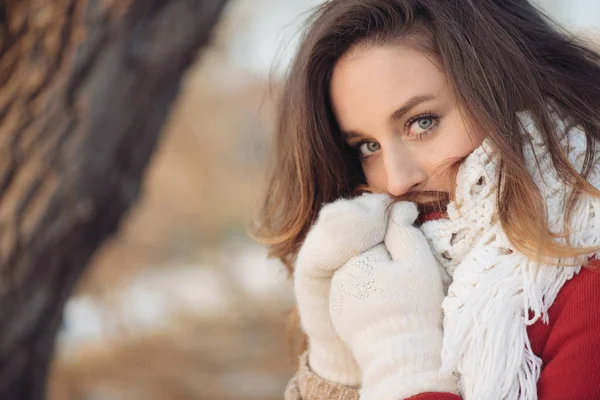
(371, 82)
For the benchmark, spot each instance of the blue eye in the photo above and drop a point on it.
(425, 123)
(422, 125)
(368, 148)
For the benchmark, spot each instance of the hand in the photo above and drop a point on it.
(386, 306)
(344, 228)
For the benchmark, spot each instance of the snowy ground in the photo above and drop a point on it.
(246, 282)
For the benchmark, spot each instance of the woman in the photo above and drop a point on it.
(487, 117)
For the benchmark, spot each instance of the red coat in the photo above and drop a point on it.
(569, 345)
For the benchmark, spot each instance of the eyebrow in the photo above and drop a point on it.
(398, 114)
(409, 105)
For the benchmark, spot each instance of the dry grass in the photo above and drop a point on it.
(217, 360)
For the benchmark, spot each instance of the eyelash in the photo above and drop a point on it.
(356, 146)
(425, 115)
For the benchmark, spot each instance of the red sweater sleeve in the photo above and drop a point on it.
(571, 355)
(570, 347)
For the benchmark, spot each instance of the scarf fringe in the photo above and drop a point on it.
(497, 292)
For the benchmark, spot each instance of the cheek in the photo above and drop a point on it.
(375, 174)
(467, 142)
(453, 144)
(439, 156)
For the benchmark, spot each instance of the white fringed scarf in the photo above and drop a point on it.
(496, 291)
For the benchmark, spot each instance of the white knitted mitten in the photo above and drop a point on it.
(386, 305)
(344, 229)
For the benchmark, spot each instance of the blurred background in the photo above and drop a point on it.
(181, 304)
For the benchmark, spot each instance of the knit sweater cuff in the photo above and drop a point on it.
(306, 385)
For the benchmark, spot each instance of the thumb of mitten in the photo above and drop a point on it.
(403, 240)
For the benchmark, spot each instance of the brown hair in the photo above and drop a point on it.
(500, 57)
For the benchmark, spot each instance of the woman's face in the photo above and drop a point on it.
(395, 107)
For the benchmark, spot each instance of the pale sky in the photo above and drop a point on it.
(268, 39)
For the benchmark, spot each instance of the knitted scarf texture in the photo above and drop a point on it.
(495, 291)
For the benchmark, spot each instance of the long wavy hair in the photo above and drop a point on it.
(499, 56)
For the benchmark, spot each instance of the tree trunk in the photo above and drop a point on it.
(85, 86)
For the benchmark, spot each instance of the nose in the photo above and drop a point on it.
(403, 173)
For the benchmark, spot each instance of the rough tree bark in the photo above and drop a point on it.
(85, 86)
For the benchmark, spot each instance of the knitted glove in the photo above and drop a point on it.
(344, 229)
(386, 305)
